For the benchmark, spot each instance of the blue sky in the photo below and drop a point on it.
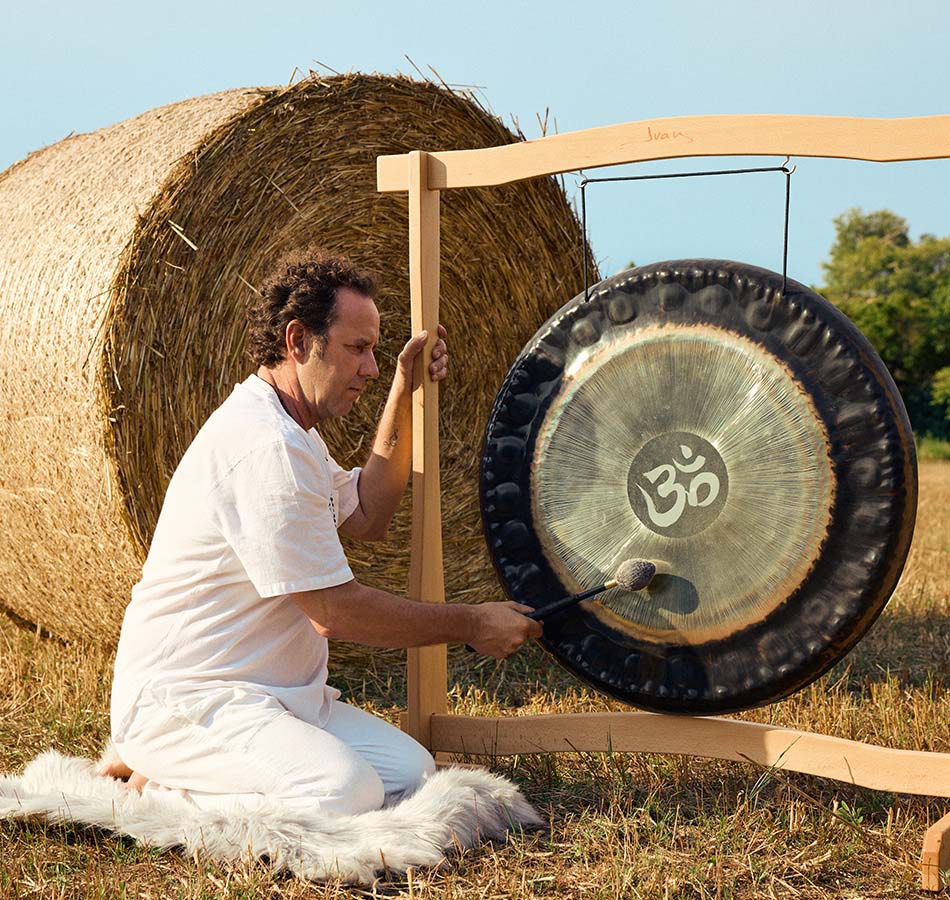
(79, 66)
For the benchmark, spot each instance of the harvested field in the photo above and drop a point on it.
(621, 825)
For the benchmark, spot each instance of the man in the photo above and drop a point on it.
(220, 677)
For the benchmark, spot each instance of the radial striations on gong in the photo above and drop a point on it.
(688, 446)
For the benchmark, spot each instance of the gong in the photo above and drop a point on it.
(737, 431)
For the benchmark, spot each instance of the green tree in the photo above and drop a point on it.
(941, 388)
(897, 292)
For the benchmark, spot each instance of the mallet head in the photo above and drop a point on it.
(634, 574)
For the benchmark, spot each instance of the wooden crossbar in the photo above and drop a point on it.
(873, 140)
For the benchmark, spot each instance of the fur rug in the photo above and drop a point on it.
(454, 807)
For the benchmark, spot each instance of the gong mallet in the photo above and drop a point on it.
(631, 575)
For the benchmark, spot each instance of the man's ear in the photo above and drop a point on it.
(297, 341)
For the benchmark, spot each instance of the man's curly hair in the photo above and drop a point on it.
(300, 285)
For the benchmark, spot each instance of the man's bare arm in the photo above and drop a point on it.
(386, 472)
(366, 615)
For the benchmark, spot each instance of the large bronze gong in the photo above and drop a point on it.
(747, 440)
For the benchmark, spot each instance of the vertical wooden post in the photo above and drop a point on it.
(935, 855)
(427, 673)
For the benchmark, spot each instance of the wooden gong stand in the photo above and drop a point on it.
(424, 175)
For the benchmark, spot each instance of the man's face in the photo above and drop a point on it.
(333, 381)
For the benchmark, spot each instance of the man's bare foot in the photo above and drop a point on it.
(137, 781)
(114, 768)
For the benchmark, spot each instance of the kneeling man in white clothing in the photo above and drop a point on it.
(221, 673)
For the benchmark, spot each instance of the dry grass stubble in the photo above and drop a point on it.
(620, 825)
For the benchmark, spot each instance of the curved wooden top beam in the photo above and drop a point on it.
(874, 140)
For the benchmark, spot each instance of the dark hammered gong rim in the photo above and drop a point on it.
(872, 515)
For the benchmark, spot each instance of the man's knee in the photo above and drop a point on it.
(357, 789)
(365, 795)
(415, 766)
(426, 764)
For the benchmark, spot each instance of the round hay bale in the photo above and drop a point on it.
(126, 256)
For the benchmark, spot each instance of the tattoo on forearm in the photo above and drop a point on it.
(393, 440)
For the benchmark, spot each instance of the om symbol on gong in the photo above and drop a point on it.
(677, 484)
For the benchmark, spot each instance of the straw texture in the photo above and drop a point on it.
(125, 260)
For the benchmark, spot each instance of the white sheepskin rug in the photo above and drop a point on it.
(455, 807)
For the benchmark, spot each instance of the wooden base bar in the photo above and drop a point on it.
(866, 765)
(879, 768)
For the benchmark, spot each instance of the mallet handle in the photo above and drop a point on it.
(565, 602)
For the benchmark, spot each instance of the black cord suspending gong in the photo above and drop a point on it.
(782, 168)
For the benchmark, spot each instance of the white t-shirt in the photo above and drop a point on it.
(250, 516)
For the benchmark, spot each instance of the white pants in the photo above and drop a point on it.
(239, 745)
